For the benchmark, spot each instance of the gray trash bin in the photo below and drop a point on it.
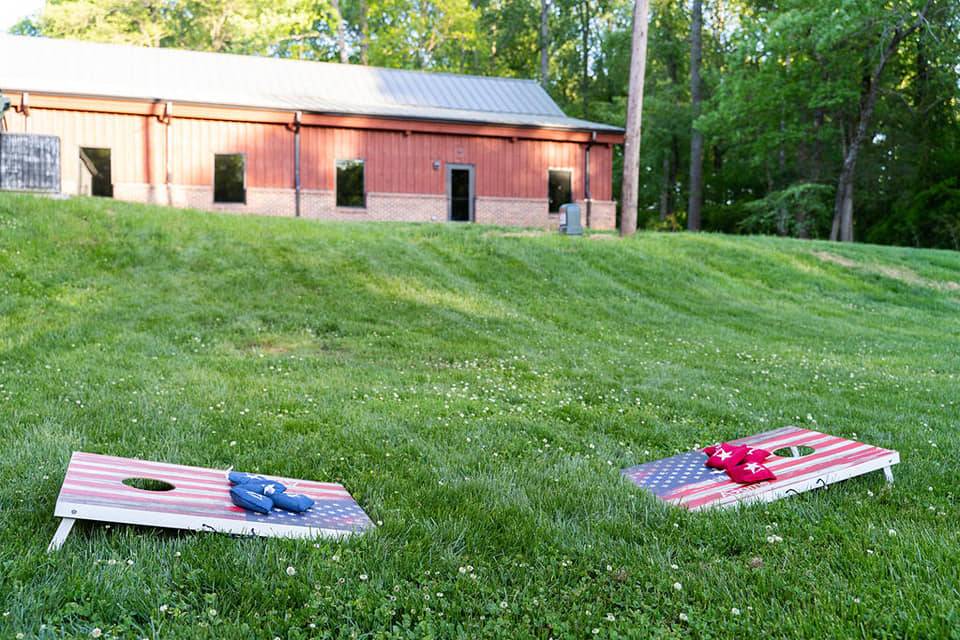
(570, 220)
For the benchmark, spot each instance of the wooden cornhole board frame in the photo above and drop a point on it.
(683, 480)
(93, 489)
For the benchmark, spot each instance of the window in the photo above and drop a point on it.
(350, 186)
(558, 189)
(229, 178)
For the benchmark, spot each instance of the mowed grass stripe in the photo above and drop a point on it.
(478, 393)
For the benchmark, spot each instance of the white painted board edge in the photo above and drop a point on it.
(117, 515)
(760, 493)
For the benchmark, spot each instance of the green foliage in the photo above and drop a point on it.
(931, 218)
(801, 210)
(237, 26)
(783, 81)
(477, 391)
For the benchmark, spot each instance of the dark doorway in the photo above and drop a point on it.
(558, 189)
(95, 163)
(460, 187)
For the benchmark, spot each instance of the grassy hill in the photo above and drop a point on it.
(477, 390)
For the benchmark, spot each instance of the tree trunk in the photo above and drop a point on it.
(585, 58)
(665, 189)
(341, 32)
(631, 143)
(870, 89)
(544, 43)
(364, 34)
(783, 228)
(671, 159)
(695, 205)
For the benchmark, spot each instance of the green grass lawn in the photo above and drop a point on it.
(478, 392)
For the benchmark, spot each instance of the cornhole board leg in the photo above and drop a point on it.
(888, 474)
(66, 524)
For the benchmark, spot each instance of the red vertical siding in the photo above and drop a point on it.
(136, 144)
(396, 162)
(268, 149)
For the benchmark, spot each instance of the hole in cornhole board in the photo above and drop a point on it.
(114, 490)
(794, 452)
(148, 484)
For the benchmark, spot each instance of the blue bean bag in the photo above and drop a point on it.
(267, 488)
(295, 502)
(239, 477)
(251, 500)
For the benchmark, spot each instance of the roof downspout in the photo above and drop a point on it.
(586, 175)
(168, 142)
(25, 110)
(297, 118)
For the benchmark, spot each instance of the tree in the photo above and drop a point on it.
(889, 41)
(695, 206)
(237, 26)
(341, 31)
(789, 107)
(631, 145)
(545, 43)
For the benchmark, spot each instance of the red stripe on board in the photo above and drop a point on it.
(123, 489)
(118, 476)
(129, 463)
(791, 440)
(782, 467)
(146, 464)
(79, 490)
(778, 464)
(840, 463)
(708, 485)
(230, 514)
(85, 471)
(801, 477)
(776, 434)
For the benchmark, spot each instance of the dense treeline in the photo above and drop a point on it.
(817, 118)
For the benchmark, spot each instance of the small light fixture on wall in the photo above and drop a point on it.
(436, 165)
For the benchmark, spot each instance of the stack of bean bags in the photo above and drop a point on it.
(261, 494)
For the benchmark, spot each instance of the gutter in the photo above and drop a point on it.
(297, 118)
(587, 196)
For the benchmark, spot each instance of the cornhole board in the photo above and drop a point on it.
(94, 489)
(684, 480)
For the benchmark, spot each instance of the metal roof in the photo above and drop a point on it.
(45, 65)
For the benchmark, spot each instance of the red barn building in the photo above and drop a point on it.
(295, 138)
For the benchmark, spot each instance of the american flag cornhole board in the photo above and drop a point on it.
(93, 489)
(685, 480)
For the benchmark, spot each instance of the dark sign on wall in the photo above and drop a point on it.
(29, 162)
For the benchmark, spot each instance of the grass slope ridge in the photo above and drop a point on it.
(478, 393)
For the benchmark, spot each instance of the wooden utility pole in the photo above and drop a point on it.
(695, 204)
(631, 143)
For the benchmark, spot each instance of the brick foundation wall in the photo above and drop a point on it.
(395, 207)
(519, 212)
(603, 214)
